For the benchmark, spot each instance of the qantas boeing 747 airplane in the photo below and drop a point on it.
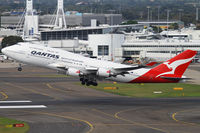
(89, 70)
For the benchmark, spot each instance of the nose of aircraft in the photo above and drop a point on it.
(4, 50)
(8, 50)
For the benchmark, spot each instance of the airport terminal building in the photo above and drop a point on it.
(83, 32)
(72, 19)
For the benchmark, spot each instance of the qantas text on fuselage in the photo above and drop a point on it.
(43, 54)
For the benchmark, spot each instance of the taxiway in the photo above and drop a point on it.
(73, 108)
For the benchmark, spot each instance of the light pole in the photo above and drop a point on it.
(168, 11)
(111, 16)
(180, 14)
(158, 13)
(151, 18)
(197, 14)
(148, 7)
(0, 21)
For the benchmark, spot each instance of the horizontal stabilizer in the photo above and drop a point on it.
(175, 78)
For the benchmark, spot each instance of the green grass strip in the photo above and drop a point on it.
(6, 126)
(147, 90)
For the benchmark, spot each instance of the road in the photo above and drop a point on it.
(73, 108)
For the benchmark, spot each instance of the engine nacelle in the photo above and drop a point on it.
(73, 72)
(104, 72)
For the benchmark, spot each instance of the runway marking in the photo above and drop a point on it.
(66, 117)
(5, 96)
(129, 121)
(15, 101)
(123, 124)
(23, 107)
(34, 91)
(96, 110)
(183, 122)
(51, 87)
(140, 124)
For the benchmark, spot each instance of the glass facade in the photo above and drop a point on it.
(69, 34)
(138, 46)
(103, 50)
(129, 53)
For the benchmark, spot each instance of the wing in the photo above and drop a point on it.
(93, 70)
(175, 78)
(114, 71)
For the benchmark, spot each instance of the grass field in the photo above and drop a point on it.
(147, 90)
(5, 126)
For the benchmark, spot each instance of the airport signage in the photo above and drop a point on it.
(18, 125)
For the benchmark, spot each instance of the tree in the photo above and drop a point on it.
(198, 27)
(10, 40)
(156, 29)
(174, 26)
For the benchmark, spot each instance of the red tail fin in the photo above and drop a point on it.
(170, 71)
(176, 66)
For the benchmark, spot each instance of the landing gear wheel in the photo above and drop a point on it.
(82, 79)
(19, 69)
(83, 82)
(88, 84)
(95, 84)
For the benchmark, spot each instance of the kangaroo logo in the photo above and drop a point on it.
(168, 65)
(172, 66)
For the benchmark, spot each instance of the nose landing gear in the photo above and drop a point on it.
(19, 68)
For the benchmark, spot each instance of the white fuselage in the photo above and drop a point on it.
(52, 57)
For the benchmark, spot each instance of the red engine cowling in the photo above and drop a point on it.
(104, 72)
(73, 72)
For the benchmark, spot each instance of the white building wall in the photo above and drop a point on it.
(8, 32)
(160, 56)
(160, 50)
(68, 45)
(31, 25)
(113, 41)
(193, 34)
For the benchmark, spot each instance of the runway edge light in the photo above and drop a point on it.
(110, 88)
(178, 89)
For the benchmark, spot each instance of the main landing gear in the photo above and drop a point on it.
(88, 81)
(19, 68)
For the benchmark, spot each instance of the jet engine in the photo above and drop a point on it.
(104, 72)
(73, 72)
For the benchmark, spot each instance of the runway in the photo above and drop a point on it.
(73, 108)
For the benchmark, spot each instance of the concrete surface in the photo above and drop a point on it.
(74, 109)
